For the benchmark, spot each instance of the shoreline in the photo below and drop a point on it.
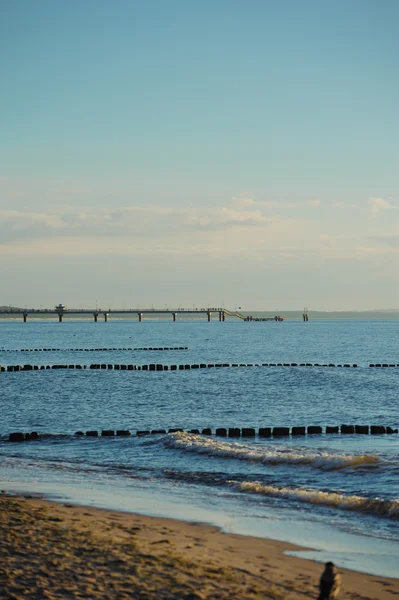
(315, 540)
(62, 550)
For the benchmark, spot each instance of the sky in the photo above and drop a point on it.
(180, 153)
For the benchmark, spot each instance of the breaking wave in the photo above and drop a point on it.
(376, 506)
(268, 456)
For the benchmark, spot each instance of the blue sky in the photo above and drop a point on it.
(249, 150)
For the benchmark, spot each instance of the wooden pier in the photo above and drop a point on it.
(60, 311)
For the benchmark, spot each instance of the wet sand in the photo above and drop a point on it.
(50, 550)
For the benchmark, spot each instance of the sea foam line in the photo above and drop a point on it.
(376, 506)
(322, 460)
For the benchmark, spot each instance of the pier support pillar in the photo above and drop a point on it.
(105, 317)
(59, 318)
(140, 315)
(220, 316)
(223, 317)
(95, 315)
(25, 315)
(209, 315)
(174, 317)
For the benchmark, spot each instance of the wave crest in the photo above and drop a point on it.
(376, 506)
(267, 455)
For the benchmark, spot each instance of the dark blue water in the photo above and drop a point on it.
(338, 493)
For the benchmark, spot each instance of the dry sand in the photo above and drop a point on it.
(50, 550)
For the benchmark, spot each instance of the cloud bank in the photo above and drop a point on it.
(259, 230)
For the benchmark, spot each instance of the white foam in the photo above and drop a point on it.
(267, 455)
(377, 506)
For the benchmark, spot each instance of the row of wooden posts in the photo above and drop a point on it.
(160, 367)
(86, 349)
(232, 432)
(157, 367)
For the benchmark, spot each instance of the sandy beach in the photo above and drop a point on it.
(51, 550)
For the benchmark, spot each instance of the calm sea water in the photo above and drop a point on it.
(338, 494)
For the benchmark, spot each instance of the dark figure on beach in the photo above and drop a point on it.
(330, 583)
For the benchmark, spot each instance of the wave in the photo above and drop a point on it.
(376, 506)
(75, 465)
(268, 456)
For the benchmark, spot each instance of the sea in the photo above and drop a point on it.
(335, 495)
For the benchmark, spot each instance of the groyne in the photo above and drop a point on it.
(175, 367)
(91, 349)
(230, 432)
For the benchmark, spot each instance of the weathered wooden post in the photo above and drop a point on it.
(59, 309)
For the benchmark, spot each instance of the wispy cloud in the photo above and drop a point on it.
(153, 222)
(274, 204)
(346, 205)
(16, 225)
(380, 204)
